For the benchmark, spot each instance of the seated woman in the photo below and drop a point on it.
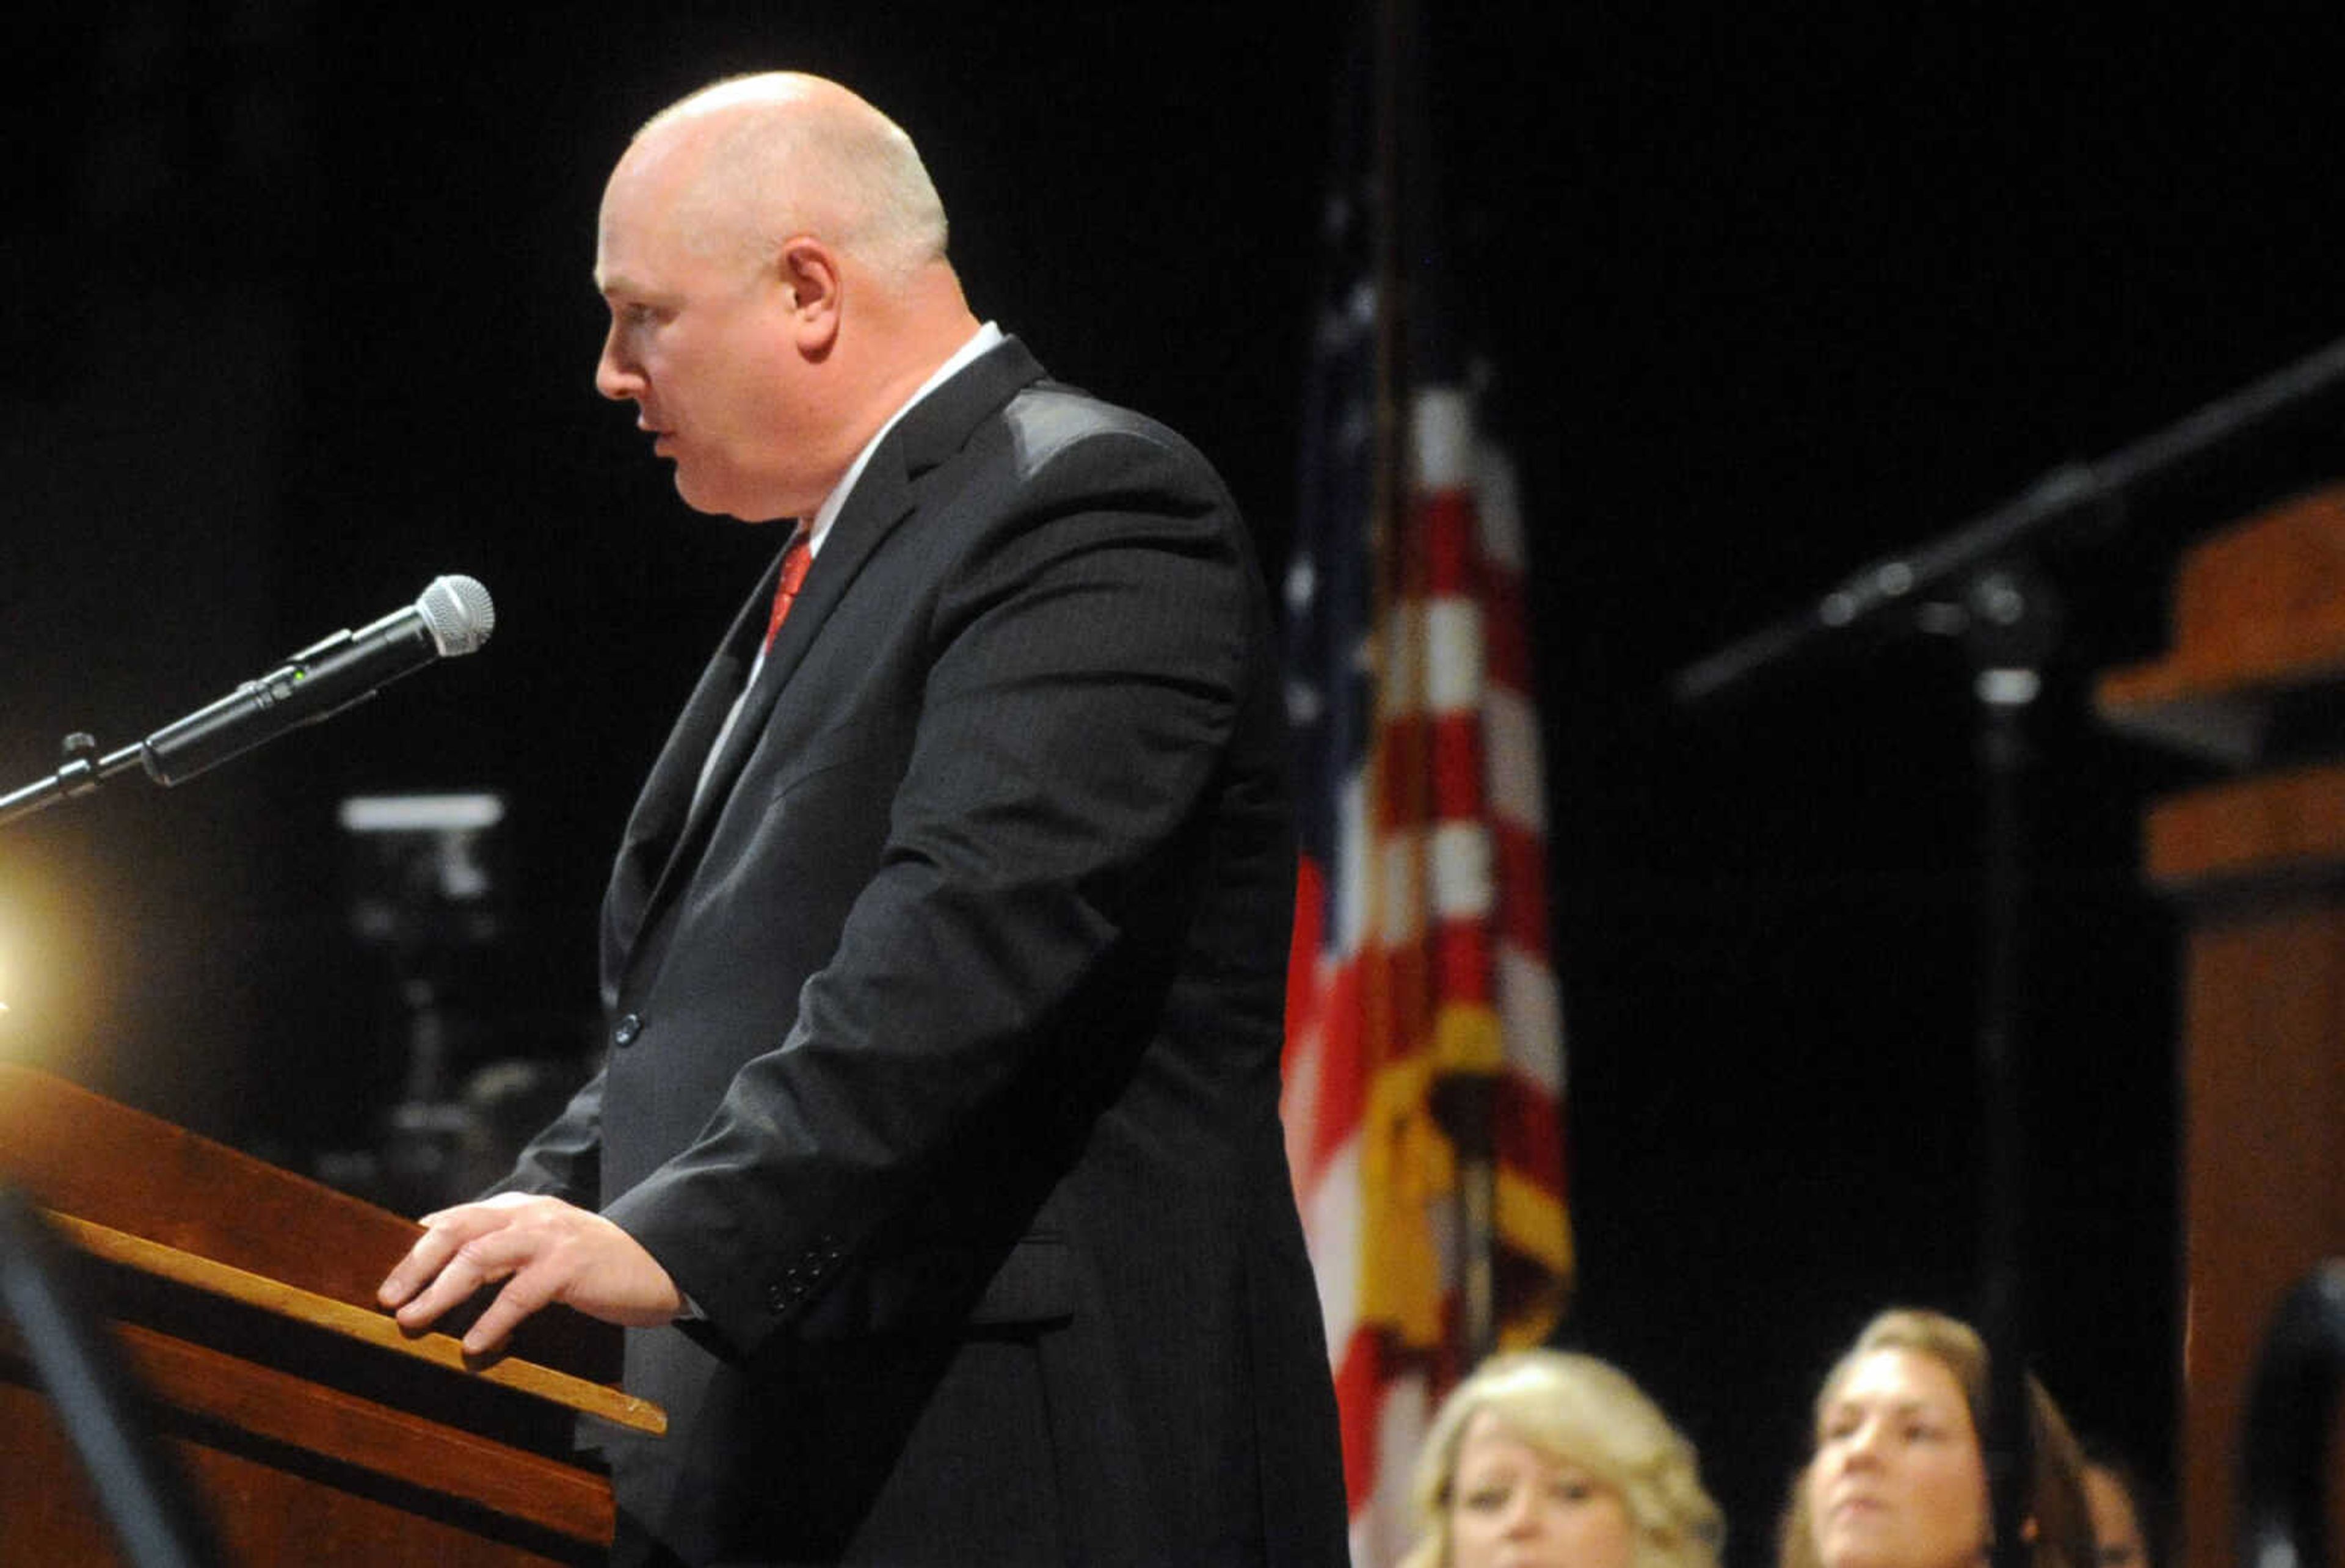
(1899, 1475)
(1558, 1461)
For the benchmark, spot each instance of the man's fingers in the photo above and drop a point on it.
(422, 1263)
(454, 1283)
(459, 1250)
(547, 1250)
(524, 1293)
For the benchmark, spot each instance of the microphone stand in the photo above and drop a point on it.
(83, 772)
(2055, 506)
(2013, 626)
(1980, 581)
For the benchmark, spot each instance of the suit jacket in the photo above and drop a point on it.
(946, 1028)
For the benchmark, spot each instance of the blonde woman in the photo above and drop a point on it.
(1899, 1475)
(1550, 1460)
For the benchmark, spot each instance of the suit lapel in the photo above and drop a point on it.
(657, 824)
(889, 491)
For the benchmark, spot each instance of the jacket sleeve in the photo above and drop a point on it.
(564, 1160)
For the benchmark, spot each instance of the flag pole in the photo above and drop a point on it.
(1387, 481)
(1462, 1103)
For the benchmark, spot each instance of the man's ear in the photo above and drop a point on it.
(809, 277)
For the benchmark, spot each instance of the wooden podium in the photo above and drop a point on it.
(313, 1432)
(2256, 866)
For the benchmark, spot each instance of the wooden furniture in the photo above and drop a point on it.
(242, 1297)
(2256, 865)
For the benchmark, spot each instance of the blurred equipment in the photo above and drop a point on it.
(424, 894)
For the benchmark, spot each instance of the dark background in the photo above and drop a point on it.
(300, 318)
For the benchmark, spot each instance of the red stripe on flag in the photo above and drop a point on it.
(1360, 1397)
(1449, 538)
(1527, 1130)
(1520, 868)
(1506, 632)
(1461, 961)
(1402, 799)
(1457, 745)
(1344, 1070)
(1520, 855)
(1303, 999)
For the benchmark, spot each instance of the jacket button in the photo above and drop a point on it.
(624, 1035)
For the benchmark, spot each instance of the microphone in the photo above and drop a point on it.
(454, 616)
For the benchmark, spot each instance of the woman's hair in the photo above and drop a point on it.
(2055, 1492)
(2150, 1515)
(1582, 1411)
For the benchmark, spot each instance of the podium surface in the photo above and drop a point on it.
(312, 1430)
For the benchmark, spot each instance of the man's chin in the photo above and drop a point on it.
(702, 499)
(711, 502)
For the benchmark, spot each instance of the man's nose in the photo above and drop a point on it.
(615, 377)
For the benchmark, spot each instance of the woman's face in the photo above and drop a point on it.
(1897, 1481)
(1511, 1506)
(2117, 1528)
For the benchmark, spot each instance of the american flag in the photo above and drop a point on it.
(1420, 952)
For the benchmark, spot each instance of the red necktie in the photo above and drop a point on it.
(796, 558)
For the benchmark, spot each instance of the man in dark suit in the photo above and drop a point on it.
(935, 1166)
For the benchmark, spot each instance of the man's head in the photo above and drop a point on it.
(773, 255)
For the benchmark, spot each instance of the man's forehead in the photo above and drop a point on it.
(638, 202)
(613, 273)
(629, 262)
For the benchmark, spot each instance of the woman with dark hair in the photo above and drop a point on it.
(1898, 1479)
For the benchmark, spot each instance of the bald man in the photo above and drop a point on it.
(935, 1166)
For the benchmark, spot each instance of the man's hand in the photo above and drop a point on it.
(547, 1250)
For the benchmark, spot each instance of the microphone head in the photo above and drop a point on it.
(457, 613)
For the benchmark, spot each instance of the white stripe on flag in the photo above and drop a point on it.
(1530, 1013)
(1444, 428)
(1347, 887)
(1462, 887)
(1510, 741)
(1330, 1227)
(1454, 657)
(1382, 1529)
